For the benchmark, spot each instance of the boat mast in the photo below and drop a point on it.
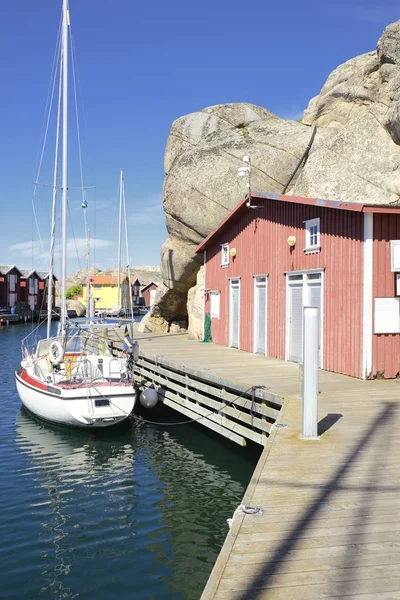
(65, 24)
(121, 188)
(50, 280)
(128, 270)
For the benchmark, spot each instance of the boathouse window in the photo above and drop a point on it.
(215, 304)
(312, 230)
(224, 255)
(33, 285)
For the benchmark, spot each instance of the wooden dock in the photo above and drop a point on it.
(330, 526)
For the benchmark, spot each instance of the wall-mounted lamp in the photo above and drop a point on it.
(232, 252)
(291, 241)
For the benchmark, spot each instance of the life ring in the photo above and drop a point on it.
(56, 352)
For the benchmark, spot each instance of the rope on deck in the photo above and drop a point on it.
(248, 510)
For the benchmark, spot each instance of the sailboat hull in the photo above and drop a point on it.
(89, 406)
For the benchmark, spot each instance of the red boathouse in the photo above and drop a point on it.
(275, 254)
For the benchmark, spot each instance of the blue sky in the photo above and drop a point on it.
(140, 66)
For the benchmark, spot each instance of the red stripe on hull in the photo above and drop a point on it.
(28, 379)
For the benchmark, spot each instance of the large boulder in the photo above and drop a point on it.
(195, 307)
(204, 152)
(355, 157)
(75, 308)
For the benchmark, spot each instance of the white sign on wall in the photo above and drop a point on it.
(395, 255)
(215, 305)
(387, 315)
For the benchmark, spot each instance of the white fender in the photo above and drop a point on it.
(56, 352)
(135, 351)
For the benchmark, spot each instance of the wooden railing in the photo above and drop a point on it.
(236, 411)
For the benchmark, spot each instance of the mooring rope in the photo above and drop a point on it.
(248, 510)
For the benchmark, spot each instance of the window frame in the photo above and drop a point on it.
(225, 247)
(12, 282)
(309, 247)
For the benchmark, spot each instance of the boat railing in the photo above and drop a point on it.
(34, 345)
(84, 370)
(89, 372)
(119, 372)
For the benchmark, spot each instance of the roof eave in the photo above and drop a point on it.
(320, 202)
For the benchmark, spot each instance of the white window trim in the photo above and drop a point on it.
(368, 257)
(307, 226)
(226, 263)
(217, 309)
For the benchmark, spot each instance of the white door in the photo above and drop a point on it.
(296, 322)
(12, 299)
(260, 315)
(304, 289)
(234, 313)
(152, 296)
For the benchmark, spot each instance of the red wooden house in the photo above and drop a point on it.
(135, 287)
(44, 291)
(148, 292)
(10, 289)
(274, 255)
(3, 288)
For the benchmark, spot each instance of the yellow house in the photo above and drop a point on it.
(104, 290)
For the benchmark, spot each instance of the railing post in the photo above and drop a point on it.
(310, 372)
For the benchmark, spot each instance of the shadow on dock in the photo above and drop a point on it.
(265, 578)
(327, 422)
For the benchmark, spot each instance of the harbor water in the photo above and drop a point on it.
(135, 512)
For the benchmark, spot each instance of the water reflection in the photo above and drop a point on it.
(76, 454)
(75, 468)
(134, 512)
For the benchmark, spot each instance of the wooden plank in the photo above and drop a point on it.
(253, 564)
(214, 426)
(317, 577)
(218, 419)
(329, 589)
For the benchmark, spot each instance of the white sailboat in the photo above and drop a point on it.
(73, 378)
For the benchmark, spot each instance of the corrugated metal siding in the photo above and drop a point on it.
(385, 348)
(260, 238)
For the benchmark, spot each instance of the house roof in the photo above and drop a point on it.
(260, 198)
(44, 275)
(156, 283)
(7, 268)
(105, 279)
(25, 273)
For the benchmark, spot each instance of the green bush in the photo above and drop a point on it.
(75, 290)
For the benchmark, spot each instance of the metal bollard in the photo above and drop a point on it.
(310, 372)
